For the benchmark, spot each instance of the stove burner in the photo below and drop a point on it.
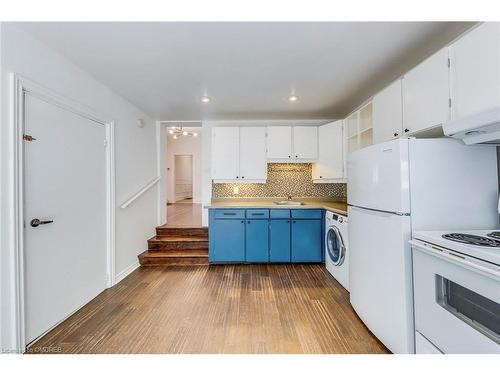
(494, 235)
(472, 239)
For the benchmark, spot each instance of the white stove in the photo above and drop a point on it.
(456, 279)
(480, 244)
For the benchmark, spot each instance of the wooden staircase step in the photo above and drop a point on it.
(183, 231)
(158, 258)
(177, 254)
(186, 243)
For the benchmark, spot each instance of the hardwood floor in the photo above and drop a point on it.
(217, 309)
(184, 214)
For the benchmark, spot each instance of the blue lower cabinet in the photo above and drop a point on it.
(279, 241)
(227, 240)
(306, 241)
(257, 241)
(261, 236)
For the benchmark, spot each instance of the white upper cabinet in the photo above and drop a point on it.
(253, 163)
(475, 71)
(330, 165)
(239, 154)
(225, 153)
(305, 143)
(426, 94)
(279, 142)
(297, 143)
(388, 113)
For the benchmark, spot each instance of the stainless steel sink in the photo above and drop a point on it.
(289, 203)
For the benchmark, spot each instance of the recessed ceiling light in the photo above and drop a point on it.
(175, 136)
(293, 98)
(205, 99)
(184, 133)
(170, 131)
(195, 134)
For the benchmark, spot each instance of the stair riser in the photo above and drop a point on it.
(177, 246)
(178, 232)
(145, 261)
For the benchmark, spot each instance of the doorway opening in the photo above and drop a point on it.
(184, 174)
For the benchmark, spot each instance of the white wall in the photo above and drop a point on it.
(135, 152)
(185, 146)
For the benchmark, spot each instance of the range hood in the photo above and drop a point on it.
(483, 127)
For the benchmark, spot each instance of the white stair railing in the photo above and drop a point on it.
(148, 186)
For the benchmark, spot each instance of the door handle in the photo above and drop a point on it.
(36, 222)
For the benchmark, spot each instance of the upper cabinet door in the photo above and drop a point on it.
(330, 163)
(388, 113)
(305, 143)
(225, 153)
(475, 71)
(279, 142)
(253, 163)
(426, 94)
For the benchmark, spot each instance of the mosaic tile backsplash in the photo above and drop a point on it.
(283, 179)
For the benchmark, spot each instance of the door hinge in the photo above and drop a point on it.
(449, 62)
(28, 138)
(449, 102)
(105, 143)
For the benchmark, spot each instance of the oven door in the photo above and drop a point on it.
(457, 300)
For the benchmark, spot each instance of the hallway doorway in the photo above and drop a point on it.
(184, 174)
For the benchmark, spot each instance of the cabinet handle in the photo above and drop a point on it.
(248, 221)
(242, 221)
(237, 176)
(396, 134)
(242, 176)
(289, 156)
(407, 130)
(320, 176)
(288, 221)
(296, 156)
(294, 222)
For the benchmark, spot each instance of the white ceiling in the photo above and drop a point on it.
(249, 69)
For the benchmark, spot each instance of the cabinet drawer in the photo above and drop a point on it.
(229, 214)
(307, 214)
(280, 214)
(258, 214)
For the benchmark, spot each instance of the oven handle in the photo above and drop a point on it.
(492, 272)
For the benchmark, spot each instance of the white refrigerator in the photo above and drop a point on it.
(397, 187)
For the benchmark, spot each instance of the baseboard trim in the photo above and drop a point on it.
(127, 271)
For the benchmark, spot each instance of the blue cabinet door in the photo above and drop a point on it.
(279, 241)
(306, 240)
(257, 241)
(227, 242)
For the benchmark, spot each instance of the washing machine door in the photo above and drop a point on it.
(335, 246)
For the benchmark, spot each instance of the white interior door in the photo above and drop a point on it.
(65, 182)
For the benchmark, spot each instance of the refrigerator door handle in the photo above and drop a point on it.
(385, 212)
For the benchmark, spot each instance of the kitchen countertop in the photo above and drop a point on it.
(334, 206)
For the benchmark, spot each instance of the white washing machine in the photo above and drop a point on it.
(336, 247)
